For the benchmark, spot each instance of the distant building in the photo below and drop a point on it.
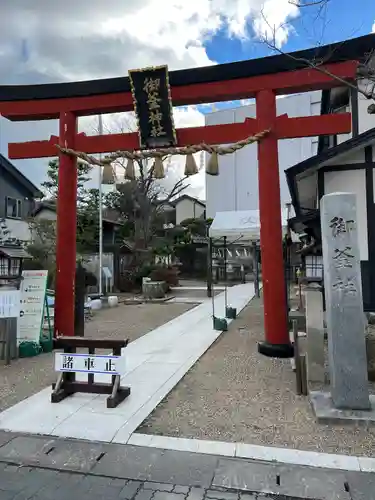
(111, 223)
(187, 207)
(236, 187)
(17, 200)
(343, 163)
(182, 208)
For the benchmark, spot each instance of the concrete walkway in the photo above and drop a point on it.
(155, 364)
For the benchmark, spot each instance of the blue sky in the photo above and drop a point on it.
(340, 20)
(343, 19)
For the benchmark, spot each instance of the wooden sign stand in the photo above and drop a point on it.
(67, 384)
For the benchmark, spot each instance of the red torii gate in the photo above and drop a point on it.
(260, 78)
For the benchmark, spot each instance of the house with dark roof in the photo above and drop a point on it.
(188, 207)
(181, 208)
(346, 167)
(17, 200)
(111, 222)
(343, 163)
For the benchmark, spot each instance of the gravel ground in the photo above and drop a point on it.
(234, 394)
(24, 377)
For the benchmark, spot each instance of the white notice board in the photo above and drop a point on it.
(32, 301)
(107, 273)
(9, 303)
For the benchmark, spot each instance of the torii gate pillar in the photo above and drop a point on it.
(277, 342)
(66, 228)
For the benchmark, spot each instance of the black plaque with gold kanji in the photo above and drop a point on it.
(153, 107)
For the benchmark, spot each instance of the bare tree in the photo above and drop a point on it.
(366, 69)
(142, 201)
(308, 3)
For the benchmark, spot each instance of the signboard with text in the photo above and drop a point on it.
(153, 107)
(32, 302)
(89, 363)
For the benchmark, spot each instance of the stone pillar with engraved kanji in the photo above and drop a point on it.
(344, 305)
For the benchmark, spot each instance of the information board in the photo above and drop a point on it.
(9, 303)
(32, 302)
(107, 273)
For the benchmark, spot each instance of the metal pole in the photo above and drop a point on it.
(209, 267)
(297, 359)
(288, 263)
(212, 284)
(225, 274)
(100, 122)
(256, 269)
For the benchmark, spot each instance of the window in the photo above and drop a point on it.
(314, 145)
(4, 266)
(14, 267)
(13, 208)
(314, 266)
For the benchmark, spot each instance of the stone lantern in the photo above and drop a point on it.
(11, 260)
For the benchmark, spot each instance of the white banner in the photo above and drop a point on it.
(89, 363)
(33, 292)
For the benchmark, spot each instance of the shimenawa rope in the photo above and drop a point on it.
(188, 150)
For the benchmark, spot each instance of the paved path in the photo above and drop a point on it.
(156, 362)
(37, 484)
(41, 468)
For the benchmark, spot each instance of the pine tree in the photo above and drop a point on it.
(50, 185)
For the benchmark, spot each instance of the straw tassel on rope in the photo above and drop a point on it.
(191, 167)
(108, 175)
(130, 170)
(212, 167)
(158, 168)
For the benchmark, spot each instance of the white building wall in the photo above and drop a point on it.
(188, 209)
(236, 187)
(18, 229)
(221, 189)
(365, 121)
(344, 137)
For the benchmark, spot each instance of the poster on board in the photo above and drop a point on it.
(9, 304)
(32, 301)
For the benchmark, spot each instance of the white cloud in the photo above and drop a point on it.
(46, 40)
(373, 28)
(272, 21)
(51, 41)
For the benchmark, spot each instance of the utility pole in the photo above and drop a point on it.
(100, 122)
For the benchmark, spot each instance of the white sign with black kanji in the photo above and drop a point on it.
(89, 363)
